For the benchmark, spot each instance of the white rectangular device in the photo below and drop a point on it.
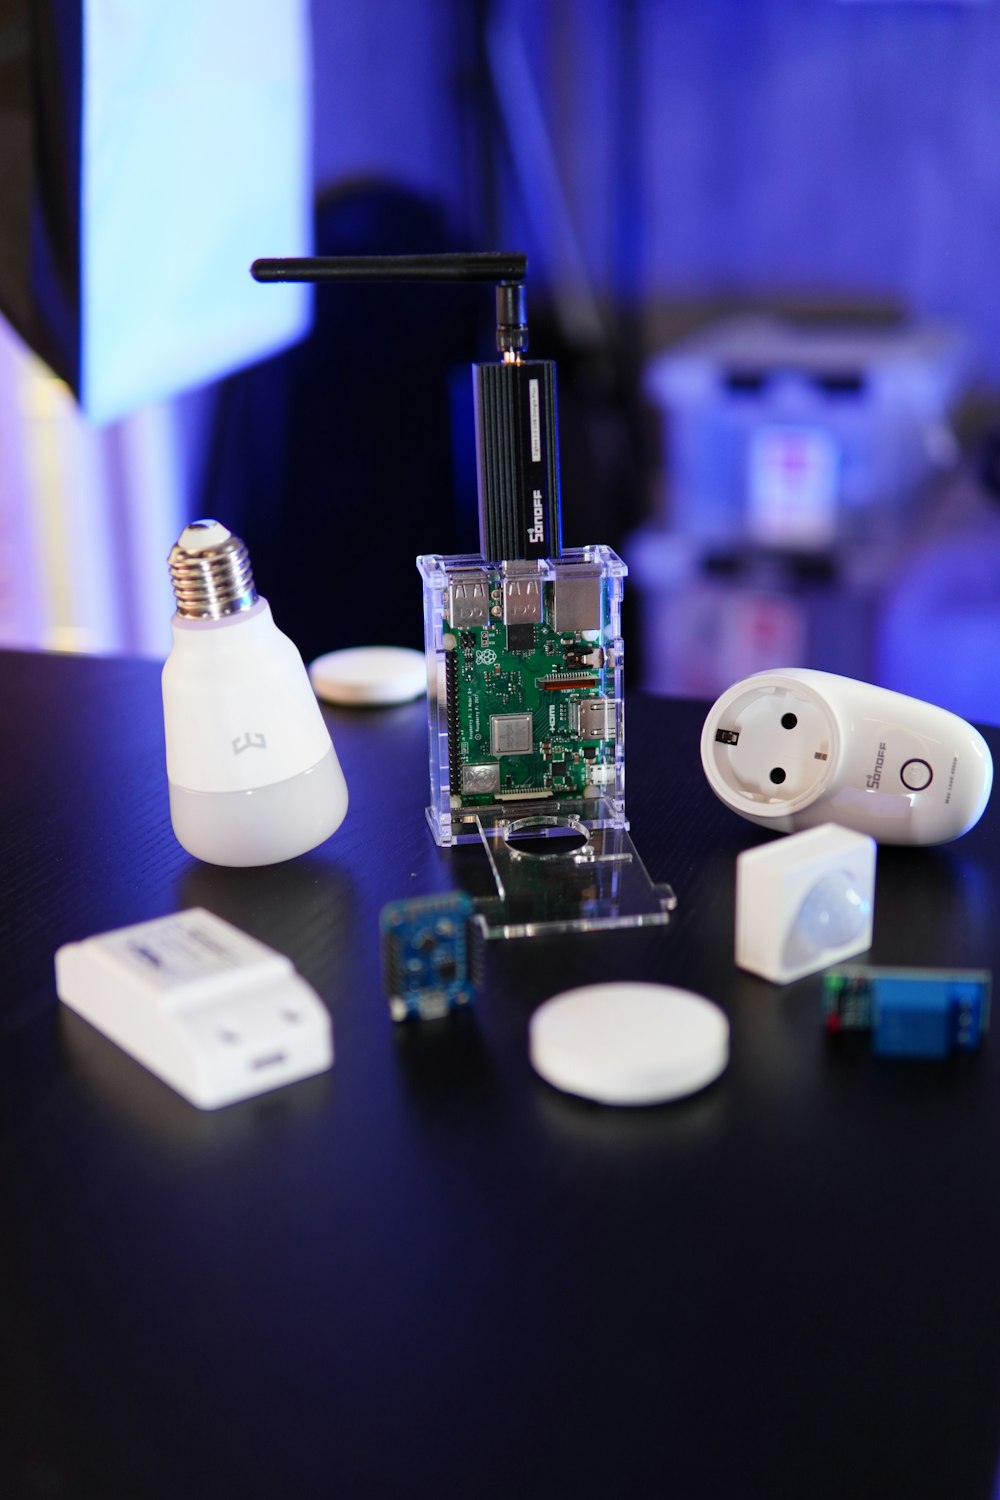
(213, 1012)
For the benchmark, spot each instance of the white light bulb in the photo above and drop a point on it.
(253, 775)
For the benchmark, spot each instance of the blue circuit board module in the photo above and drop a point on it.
(928, 1013)
(429, 955)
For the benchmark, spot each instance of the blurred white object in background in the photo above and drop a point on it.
(796, 453)
(87, 516)
(801, 434)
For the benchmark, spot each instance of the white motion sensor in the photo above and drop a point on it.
(254, 778)
(804, 902)
(796, 748)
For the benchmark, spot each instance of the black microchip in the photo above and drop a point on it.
(520, 637)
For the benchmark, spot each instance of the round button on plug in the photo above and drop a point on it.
(916, 775)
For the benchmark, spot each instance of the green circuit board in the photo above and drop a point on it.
(529, 716)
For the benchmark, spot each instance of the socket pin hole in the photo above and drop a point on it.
(778, 775)
(227, 1034)
(291, 1016)
(788, 721)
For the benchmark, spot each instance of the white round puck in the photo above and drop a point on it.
(629, 1043)
(369, 675)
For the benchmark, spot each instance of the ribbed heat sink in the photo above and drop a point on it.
(510, 524)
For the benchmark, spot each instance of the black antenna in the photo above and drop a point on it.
(517, 444)
(505, 269)
(484, 265)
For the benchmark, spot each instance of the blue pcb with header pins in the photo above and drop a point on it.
(428, 955)
(927, 1013)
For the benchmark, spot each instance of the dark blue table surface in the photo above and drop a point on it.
(427, 1273)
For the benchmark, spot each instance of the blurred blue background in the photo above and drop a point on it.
(668, 165)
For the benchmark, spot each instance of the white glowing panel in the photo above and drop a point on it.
(196, 159)
(792, 496)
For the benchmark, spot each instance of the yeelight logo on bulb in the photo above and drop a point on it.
(249, 742)
(239, 795)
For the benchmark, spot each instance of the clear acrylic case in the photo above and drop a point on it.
(527, 746)
(524, 690)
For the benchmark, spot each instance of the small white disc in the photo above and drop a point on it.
(629, 1043)
(369, 674)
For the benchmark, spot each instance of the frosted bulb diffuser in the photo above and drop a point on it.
(253, 776)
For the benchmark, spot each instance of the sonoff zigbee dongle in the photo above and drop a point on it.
(523, 638)
(523, 647)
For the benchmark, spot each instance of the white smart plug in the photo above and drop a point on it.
(796, 748)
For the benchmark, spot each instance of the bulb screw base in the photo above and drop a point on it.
(210, 572)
